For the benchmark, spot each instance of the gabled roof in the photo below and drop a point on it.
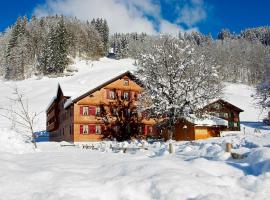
(97, 87)
(225, 103)
(59, 91)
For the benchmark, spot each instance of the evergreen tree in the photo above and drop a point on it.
(15, 52)
(60, 47)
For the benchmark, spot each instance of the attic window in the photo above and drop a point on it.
(126, 82)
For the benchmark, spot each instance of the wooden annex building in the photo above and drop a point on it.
(91, 114)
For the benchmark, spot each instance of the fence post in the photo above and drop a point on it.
(228, 147)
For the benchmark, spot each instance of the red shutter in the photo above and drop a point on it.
(92, 128)
(119, 92)
(145, 130)
(81, 110)
(81, 129)
(92, 110)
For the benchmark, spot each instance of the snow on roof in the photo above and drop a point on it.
(93, 74)
(208, 120)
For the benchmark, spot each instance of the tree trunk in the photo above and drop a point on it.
(170, 132)
(34, 140)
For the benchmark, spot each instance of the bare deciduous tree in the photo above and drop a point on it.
(19, 114)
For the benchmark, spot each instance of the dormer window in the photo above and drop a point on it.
(126, 82)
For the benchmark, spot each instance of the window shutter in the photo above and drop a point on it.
(92, 110)
(92, 128)
(81, 129)
(145, 130)
(81, 110)
(119, 93)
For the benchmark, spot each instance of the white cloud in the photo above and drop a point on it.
(192, 13)
(169, 28)
(122, 15)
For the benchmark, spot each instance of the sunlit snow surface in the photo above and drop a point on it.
(199, 170)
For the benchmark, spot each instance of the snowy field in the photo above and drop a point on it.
(199, 170)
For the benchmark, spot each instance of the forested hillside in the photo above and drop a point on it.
(45, 45)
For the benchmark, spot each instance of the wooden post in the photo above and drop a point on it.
(170, 148)
(228, 147)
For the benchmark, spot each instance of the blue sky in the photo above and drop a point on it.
(207, 16)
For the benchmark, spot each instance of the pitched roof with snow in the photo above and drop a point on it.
(91, 76)
(207, 120)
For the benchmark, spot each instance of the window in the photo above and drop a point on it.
(126, 95)
(116, 128)
(216, 106)
(126, 82)
(127, 112)
(98, 111)
(231, 124)
(223, 115)
(85, 110)
(235, 124)
(114, 112)
(85, 129)
(111, 94)
(98, 129)
(148, 130)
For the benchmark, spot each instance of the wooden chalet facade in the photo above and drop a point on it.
(225, 110)
(221, 116)
(81, 119)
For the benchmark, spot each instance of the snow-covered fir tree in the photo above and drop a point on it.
(177, 80)
(263, 91)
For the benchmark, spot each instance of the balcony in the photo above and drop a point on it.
(51, 115)
(52, 126)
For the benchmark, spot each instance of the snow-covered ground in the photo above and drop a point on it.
(196, 170)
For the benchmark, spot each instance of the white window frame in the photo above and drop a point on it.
(126, 82)
(97, 111)
(128, 95)
(98, 129)
(85, 130)
(112, 94)
(85, 111)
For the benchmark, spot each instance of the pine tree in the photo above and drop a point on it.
(15, 52)
(60, 47)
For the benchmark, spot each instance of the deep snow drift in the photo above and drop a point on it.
(197, 170)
